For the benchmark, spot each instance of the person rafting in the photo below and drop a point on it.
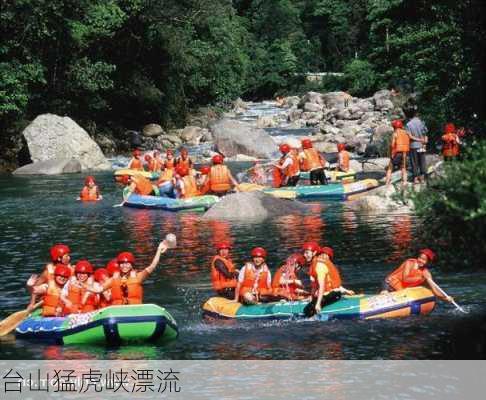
(60, 254)
(90, 191)
(112, 266)
(221, 181)
(343, 158)
(326, 284)
(287, 167)
(451, 143)
(185, 185)
(286, 283)
(139, 185)
(151, 164)
(74, 290)
(136, 162)
(126, 285)
(311, 160)
(399, 149)
(257, 174)
(101, 276)
(254, 280)
(56, 278)
(203, 180)
(159, 163)
(413, 272)
(165, 182)
(223, 272)
(184, 159)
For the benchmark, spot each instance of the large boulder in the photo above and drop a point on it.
(375, 164)
(311, 97)
(192, 135)
(235, 137)
(152, 130)
(50, 137)
(312, 107)
(334, 99)
(252, 207)
(50, 167)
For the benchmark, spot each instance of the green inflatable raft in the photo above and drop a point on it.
(113, 325)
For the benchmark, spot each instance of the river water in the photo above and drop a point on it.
(37, 212)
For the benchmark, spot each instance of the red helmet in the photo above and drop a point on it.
(148, 157)
(136, 153)
(101, 274)
(284, 148)
(59, 250)
(169, 151)
(296, 258)
(217, 159)
(306, 144)
(397, 124)
(327, 250)
(112, 266)
(341, 146)
(62, 270)
(125, 256)
(259, 252)
(125, 179)
(312, 246)
(181, 170)
(449, 128)
(430, 254)
(83, 267)
(88, 180)
(223, 246)
(205, 170)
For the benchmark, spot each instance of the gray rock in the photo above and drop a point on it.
(192, 135)
(312, 107)
(334, 99)
(50, 167)
(235, 137)
(382, 99)
(152, 130)
(239, 105)
(294, 114)
(292, 101)
(266, 121)
(253, 207)
(376, 164)
(311, 97)
(365, 105)
(51, 137)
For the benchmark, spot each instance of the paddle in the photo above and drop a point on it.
(14, 320)
(445, 294)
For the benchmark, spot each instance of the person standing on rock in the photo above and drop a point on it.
(311, 160)
(136, 162)
(288, 166)
(399, 149)
(418, 135)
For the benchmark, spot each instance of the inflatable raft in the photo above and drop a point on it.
(132, 172)
(411, 301)
(333, 176)
(331, 192)
(199, 203)
(111, 326)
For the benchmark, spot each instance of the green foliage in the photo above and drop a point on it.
(453, 208)
(360, 78)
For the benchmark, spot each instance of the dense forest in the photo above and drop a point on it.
(112, 64)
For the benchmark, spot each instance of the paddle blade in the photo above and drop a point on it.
(12, 321)
(171, 241)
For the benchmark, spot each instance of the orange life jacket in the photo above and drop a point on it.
(89, 194)
(450, 148)
(344, 161)
(205, 187)
(187, 162)
(249, 283)
(52, 300)
(292, 169)
(152, 165)
(332, 280)
(190, 187)
(218, 280)
(396, 278)
(312, 160)
(401, 141)
(92, 303)
(135, 163)
(75, 296)
(279, 289)
(142, 185)
(169, 164)
(103, 302)
(133, 294)
(219, 179)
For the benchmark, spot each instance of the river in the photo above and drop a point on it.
(37, 212)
